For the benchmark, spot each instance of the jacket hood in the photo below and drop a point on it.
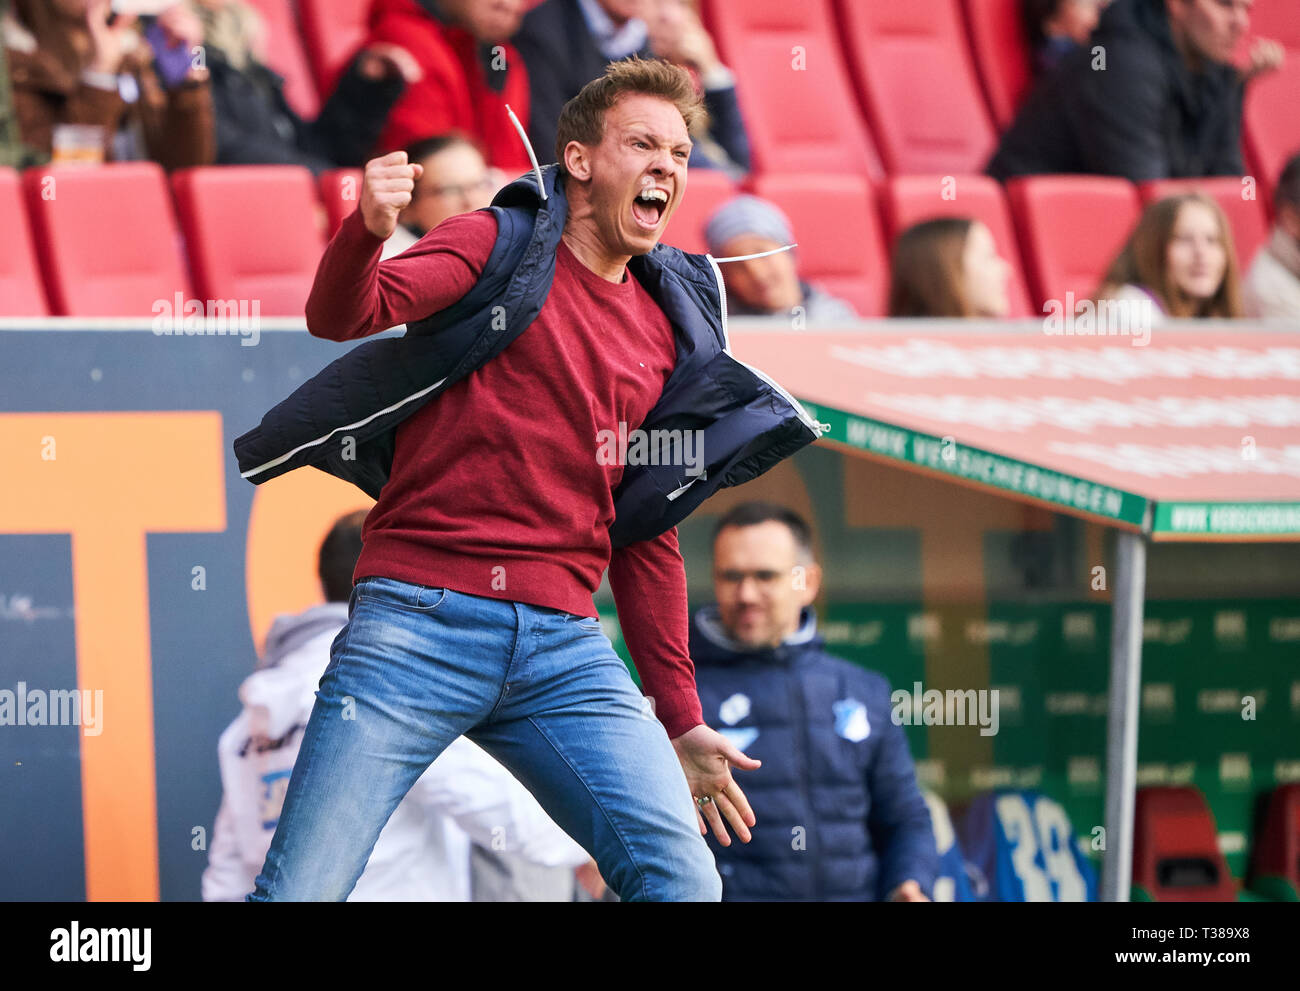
(710, 643)
(284, 682)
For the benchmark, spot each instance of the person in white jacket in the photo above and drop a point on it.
(423, 853)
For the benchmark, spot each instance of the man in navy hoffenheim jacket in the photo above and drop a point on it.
(840, 816)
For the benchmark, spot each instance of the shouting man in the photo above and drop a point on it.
(541, 323)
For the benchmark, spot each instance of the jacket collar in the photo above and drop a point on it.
(714, 646)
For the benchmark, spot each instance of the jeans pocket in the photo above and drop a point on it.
(404, 595)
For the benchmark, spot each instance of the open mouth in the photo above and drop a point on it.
(648, 208)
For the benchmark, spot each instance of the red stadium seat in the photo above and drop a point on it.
(1275, 868)
(1276, 20)
(794, 90)
(908, 200)
(20, 281)
(917, 85)
(1176, 854)
(1071, 227)
(252, 233)
(1002, 55)
(332, 30)
(106, 238)
(837, 227)
(340, 192)
(284, 54)
(1271, 123)
(1247, 218)
(706, 190)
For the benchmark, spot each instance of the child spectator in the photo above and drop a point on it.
(1272, 286)
(948, 267)
(1180, 256)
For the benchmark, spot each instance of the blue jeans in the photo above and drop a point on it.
(540, 690)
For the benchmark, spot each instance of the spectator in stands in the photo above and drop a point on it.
(72, 62)
(840, 816)
(1158, 100)
(256, 125)
(1180, 257)
(678, 35)
(948, 267)
(766, 286)
(568, 43)
(456, 179)
(470, 74)
(1057, 27)
(423, 853)
(1272, 286)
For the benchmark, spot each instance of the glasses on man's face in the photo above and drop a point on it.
(462, 191)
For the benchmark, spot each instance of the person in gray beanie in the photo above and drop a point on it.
(768, 286)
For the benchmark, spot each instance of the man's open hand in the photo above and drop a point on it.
(386, 190)
(707, 757)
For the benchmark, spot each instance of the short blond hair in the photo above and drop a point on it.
(583, 117)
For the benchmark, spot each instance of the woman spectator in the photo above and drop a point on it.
(1180, 257)
(255, 124)
(948, 267)
(72, 63)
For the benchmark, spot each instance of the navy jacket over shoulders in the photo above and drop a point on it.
(839, 814)
(343, 420)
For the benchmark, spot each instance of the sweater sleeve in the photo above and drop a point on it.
(355, 294)
(648, 580)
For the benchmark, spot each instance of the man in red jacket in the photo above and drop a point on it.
(472, 608)
(470, 73)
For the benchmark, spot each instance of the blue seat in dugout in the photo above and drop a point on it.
(1023, 843)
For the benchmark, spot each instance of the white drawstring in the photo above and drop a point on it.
(761, 254)
(528, 147)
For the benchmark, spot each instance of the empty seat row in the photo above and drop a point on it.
(110, 241)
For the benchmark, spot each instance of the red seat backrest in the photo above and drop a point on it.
(1173, 827)
(917, 85)
(706, 190)
(1271, 122)
(837, 227)
(340, 192)
(1277, 847)
(1002, 55)
(106, 238)
(21, 294)
(1246, 217)
(332, 31)
(284, 54)
(1071, 228)
(253, 233)
(908, 200)
(794, 90)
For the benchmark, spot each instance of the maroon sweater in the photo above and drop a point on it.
(496, 488)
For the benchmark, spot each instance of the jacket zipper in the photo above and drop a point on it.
(814, 425)
(805, 770)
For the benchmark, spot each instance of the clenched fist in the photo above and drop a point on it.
(386, 191)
